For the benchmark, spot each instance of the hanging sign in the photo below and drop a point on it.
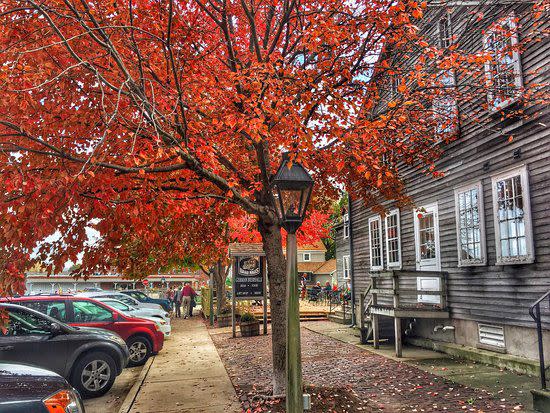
(249, 278)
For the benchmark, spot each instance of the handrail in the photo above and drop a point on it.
(534, 311)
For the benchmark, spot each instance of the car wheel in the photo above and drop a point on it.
(140, 350)
(94, 374)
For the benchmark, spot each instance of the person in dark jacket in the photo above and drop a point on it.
(177, 302)
(187, 294)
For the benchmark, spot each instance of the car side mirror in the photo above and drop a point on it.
(55, 329)
(115, 316)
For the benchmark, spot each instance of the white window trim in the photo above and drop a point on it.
(308, 254)
(381, 266)
(524, 179)
(481, 209)
(393, 265)
(346, 226)
(437, 264)
(346, 258)
(518, 78)
(447, 18)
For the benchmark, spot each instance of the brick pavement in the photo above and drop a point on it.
(380, 384)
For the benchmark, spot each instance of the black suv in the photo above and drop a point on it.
(89, 358)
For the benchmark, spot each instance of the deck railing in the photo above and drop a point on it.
(409, 289)
(534, 310)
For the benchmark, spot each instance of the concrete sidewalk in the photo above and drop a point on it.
(503, 384)
(186, 376)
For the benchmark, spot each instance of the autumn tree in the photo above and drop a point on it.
(139, 116)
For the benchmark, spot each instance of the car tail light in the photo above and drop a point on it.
(64, 401)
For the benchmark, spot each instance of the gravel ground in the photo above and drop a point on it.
(344, 378)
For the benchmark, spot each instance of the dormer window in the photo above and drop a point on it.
(444, 31)
(346, 226)
(503, 68)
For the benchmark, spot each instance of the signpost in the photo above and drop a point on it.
(249, 282)
(249, 278)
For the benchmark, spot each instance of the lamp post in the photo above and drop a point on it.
(292, 187)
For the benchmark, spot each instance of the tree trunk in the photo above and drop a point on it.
(276, 268)
(219, 281)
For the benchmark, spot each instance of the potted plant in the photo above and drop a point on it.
(224, 318)
(250, 326)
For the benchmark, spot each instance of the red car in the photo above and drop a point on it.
(142, 337)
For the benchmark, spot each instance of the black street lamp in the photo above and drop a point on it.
(292, 187)
(292, 191)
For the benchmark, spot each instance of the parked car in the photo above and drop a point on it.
(163, 325)
(90, 359)
(125, 298)
(145, 309)
(144, 298)
(142, 337)
(25, 389)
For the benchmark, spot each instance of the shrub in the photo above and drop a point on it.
(247, 317)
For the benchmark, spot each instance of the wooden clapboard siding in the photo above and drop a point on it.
(342, 248)
(490, 293)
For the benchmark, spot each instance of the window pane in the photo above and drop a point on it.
(469, 225)
(88, 312)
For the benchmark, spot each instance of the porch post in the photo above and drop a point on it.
(397, 320)
(375, 325)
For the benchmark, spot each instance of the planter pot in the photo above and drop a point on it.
(224, 320)
(250, 328)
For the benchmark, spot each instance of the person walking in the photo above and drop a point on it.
(177, 302)
(187, 295)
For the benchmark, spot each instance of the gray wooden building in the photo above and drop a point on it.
(466, 261)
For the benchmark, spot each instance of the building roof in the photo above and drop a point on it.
(238, 249)
(309, 266)
(317, 246)
(328, 267)
(324, 267)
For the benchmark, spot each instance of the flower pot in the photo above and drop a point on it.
(250, 328)
(224, 320)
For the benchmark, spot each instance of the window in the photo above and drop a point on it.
(25, 323)
(503, 71)
(444, 31)
(470, 226)
(375, 237)
(55, 309)
(426, 238)
(346, 267)
(89, 312)
(307, 256)
(346, 226)
(395, 81)
(444, 106)
(513, 217)
(393, 239)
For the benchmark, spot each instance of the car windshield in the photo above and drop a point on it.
(139, 295)
(132, 302)
(118, 305)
